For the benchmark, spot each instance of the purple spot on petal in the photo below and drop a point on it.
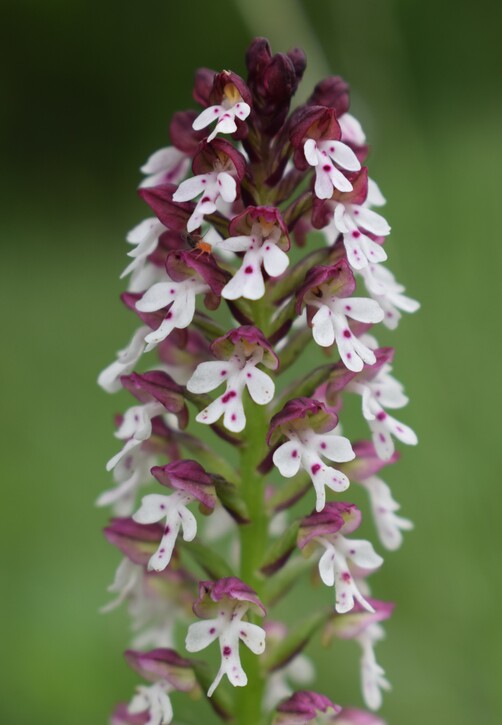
(346, 333)
(356, 235)
(326, 167)
(315, 468)
(227, 651)
(382, 415)
(205, 199)
(212, 630)
(323, 446)
(167, 530)
(248, 269)
(346, 576)
(294, 454)
(382, 437)
(228, 396)
(162, 506)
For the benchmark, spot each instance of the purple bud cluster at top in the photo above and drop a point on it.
(229, 484)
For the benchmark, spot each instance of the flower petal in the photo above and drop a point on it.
(287, 459)
(260, 385)
(208, 376)
(253, 637)
(201, 634)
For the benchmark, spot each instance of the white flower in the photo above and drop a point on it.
(155, 699)
(382, 286)
(128, 578)
(335, 571)
(329, 325)
(152, 623)
(372, 674)
(323, 155)
(129, 474)
(214, 185)
(383, 390)
(375, 196)
(165, 165)
(228, 628)
(173, 509)
(352, 220)
(181, 296)
(260, 249)
(135, 428)
(305, 450)
(137, 421)
(238, 373)
(109, 378)
(145, 237)
(389, 525)
(231, 107)
(352, 131)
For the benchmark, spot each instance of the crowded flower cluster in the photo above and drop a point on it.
(264, 252)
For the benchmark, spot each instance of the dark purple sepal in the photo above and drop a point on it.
(366, 463)
(317, 122)
(203, 85)
(227, 591)
(214, 155)
(247, 338)
(349, 716)
(337, 280)
(174, 214)
(189, 476)
(183, 136)
(136, 541)
(303, 707)
(158, 385)
(336, 516)
(353, 623)
(122, 716)
(301, 413)
(163, 664)
(333, 92)
(181, 264)
(243, 223)
(273, 80)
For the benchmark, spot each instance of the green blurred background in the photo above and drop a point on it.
(87, 93)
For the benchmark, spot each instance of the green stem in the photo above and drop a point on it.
(253, 545)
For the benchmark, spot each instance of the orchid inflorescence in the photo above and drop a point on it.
(226, 538)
